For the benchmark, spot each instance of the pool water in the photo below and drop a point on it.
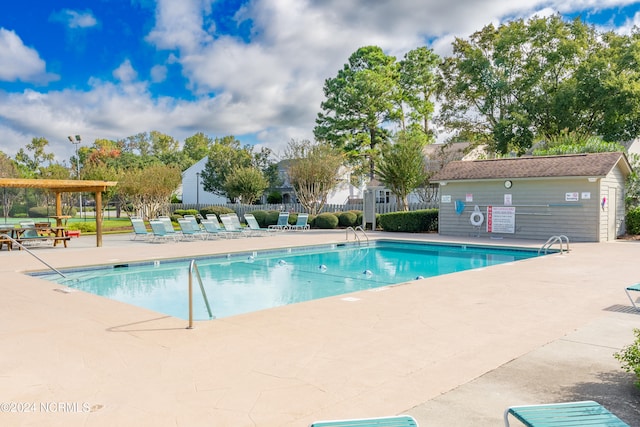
(250, 281)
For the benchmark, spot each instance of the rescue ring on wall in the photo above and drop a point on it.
(476, 218)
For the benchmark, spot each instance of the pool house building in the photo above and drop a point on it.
(580, 196)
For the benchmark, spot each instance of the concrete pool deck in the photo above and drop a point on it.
(450, 350)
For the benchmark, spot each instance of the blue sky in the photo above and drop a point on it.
(253, 69)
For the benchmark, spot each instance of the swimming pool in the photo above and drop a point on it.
(243, 282)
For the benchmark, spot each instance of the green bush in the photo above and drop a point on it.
(410, 222)
(84, 227)
(271, 218)
(274, 197)
(326, 220)
(217, 210)
(183, 212)
(347, 219)
(630, 357)
(633, 221)
(40, 212)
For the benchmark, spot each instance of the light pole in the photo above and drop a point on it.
(197, 190)
(77, 142)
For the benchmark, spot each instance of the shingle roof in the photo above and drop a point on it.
(588, 164)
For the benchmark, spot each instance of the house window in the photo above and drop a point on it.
(382, 196)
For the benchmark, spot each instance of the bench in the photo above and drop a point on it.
(42, 239)
(570, 414)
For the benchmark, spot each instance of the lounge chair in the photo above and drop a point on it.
(301, 223)
(283, 222)
(160, 231)
(213, 229)
(633, 288)
(168, 226)
(570, 414)
(230, 226)
(194, 221)
(253, 225)
(139, 229)
(189, 231)
(397, 421)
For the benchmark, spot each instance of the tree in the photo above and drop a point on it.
(358, 101)
(149, 190)
(31, 166)
(418, 73)
(402, 167)
(8, 169)
(313, 172)
(528, 80)
(246, 183)
(573, 143)
(197, 146)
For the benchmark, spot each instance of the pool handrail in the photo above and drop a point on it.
(355, 233)
(21, 246)
(194, 267)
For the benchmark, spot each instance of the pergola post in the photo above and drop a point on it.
(98, 197)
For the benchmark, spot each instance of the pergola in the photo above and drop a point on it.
(59, 186)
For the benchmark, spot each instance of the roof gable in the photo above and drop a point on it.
(586, 164)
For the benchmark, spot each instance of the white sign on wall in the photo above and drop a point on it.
(571, 197)
(501, 219)
(446, 198)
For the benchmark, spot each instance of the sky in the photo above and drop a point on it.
(254, 69)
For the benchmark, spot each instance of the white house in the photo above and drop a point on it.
(192, 191)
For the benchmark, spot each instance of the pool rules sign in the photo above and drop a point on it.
(501, 219)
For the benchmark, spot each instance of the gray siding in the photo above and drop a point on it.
(614, 180)
(541, 208)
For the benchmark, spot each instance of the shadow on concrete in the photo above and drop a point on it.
(613, 390)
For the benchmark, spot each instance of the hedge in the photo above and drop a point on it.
(326, 220)
(217, 210)
(633, 221)
(425, 220)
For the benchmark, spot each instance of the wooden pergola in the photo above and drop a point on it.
(59, 186)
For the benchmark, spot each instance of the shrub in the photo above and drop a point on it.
(217, 210)
(271, 218)
(183, 212)
(39, 212)
(326, 220)
(85, 227)
(630, 357)
(274, 198)
(347, 219)
(410, 222)
(633, 221)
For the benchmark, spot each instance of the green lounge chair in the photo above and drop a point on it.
(633, 288)
(139, 229)
(189, 231)
(213, 229)
(397, 421)
(570, 414)
(253, 225)
(231, 227)
(283, 222)
(301, 222)
(160, 231)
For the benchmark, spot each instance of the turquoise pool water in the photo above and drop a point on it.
(250, 281)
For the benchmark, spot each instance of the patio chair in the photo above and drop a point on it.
(570, 414)
(139, 229)
(194, 221)
(397, 421)
(283, 222)
(301, 222)
(253, 225)
(159, 231)
(230, 226)
(168, 226)
(188, 231)
(213, 229)
(633, 288)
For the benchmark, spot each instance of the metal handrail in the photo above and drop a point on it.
(553, 239)
(355, 233)
(193, 267)
(15, 242)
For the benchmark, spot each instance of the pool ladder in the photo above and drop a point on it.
(193, 268)
(555, 239)
(355, 233)
(21, 246)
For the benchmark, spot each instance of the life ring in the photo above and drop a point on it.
(476, 218)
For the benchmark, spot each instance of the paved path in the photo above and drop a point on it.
(452, 350)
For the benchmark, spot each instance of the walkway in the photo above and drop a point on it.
(451, 350)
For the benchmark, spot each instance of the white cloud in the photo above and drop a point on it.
(19, 62)
(125, 72)
(74, 19)
(269, 89)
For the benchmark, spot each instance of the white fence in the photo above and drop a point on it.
(241, 209)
